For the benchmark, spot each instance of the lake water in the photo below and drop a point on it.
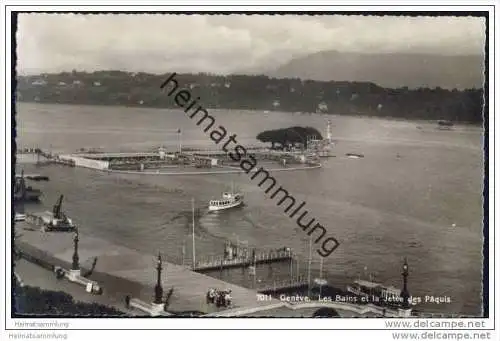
(417, 193)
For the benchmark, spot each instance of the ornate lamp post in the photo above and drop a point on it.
(75, 265)
(158, 289)
(405, 295)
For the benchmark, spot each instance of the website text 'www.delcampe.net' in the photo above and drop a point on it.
(249, 165)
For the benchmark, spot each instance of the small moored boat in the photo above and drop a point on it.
(354, 155)
(20, 217)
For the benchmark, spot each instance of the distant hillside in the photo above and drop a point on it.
(253, 93)
(388, 70)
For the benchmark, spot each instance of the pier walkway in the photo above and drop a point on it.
(240, 262)
(282, 285)
(123, 271)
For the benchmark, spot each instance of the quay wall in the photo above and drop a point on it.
(122, 271)
(114, 287)
(231, 170)
(343, 308)
(81, 161)
(116, 155)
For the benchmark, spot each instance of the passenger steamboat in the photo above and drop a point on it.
(228, 200)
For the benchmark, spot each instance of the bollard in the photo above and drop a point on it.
(127, 302)
(59, 272)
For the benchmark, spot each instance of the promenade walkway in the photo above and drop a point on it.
(122, 271)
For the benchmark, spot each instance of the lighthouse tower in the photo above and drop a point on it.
(329, 131)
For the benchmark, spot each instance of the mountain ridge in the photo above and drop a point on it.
(392, 70)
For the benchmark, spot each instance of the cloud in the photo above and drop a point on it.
(226, 43)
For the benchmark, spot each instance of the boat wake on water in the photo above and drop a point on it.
(248, 218)
(205, 221)
(211, 223)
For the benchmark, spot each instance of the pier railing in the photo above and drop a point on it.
(421, 314)
(49, 157)
(284, 284)
(247, 260)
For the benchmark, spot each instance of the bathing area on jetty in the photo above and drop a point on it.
(161, 162)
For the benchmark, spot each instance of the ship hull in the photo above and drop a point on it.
(28, 197)
(225, 207)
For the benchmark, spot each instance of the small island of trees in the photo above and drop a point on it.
(282, 138)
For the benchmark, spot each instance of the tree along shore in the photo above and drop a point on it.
(254, 93)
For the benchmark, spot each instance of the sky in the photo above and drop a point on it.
(225, 44)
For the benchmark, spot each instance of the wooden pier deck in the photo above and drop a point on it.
(121, 271)
(240, 262)
(301, 282)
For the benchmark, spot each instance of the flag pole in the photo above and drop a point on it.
(179, 132)
(194, 248)
(309, 268)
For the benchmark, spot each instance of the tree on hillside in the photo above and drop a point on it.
(114, 87)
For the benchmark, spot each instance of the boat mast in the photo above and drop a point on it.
(321, 275)
(179, 132)
(309, 268)
(194, 248)
(321, 268)
(329, 131)
(298, 268)
(183, 251)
